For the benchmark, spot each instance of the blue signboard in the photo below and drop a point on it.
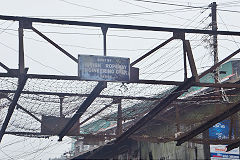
(103, 68)
(220, 130)
(224, 156)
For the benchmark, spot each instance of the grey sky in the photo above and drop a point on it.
(42, 58)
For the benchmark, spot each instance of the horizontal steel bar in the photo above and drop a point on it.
(44, 134)
(62, 94)
(80, 95)
(141, 81)
(119, 26)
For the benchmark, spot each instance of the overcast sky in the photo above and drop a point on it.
(166, 64)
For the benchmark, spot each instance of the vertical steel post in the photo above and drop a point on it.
(104, 31)
(21, 65)
(185, 62)
(119, 119)
(177, 118)
(61, 106)
(206, 147)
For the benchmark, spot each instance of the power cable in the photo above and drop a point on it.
(150, 20)
(181, 25)
(179, 5)
(31, 58)
(173, 4)
(124, 14)
(227, 29)
(154, 10)
(172, 48)
(6, 154)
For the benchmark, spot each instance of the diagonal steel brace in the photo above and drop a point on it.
(83, 107)
(22, 82)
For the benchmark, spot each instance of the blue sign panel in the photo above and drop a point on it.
(220, 130)
(224, 156)
(103, 68)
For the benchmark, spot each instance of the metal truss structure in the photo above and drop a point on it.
(160, 104)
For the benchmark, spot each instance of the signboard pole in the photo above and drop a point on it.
(104, 31)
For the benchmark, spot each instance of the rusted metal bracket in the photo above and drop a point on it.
(25, 24)
(179, 35)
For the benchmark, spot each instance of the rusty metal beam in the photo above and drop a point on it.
(141, 81)
(191, 59)
(22, 81)
(81, 95)
(189, 135)
(82, 108)
(101, 96)
(44, 134)
(119, 26)
(151, 51)
(185, 61)
(211, 141)
(55, 45)
(158, 108)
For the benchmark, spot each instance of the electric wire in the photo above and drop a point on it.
(47, 66)
(114, 87)
(227, 29)
(173, 4)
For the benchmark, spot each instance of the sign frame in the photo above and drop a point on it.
(103, 68)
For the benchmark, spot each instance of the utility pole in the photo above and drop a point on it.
(206, 147)
(215, 41)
